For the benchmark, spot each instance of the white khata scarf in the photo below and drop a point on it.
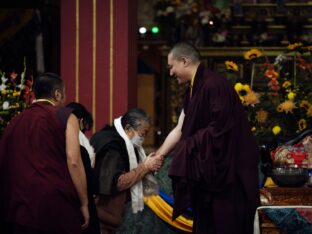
(148, 185)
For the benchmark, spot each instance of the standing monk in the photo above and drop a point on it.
(42, 179)
(215, 158)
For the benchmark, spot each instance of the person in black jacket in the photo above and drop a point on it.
(87, 153)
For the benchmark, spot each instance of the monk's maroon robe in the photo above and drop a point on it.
(214, 166)
(36, 188)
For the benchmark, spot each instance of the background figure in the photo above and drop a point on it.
(87, 153)
(123, 168)
(85, 124)
(214, 168)
(42, 179)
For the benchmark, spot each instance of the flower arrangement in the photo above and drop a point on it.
(15, 95)
(283, 108)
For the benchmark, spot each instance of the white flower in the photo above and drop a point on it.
(280, 58)
(2, 87)
(3, 79)
(5, 105)
(21, 86)
(23, 75)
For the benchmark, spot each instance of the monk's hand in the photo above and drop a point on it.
(153, 162)
(160, 154)
(86, 216)
(161, 159)
(152, 154)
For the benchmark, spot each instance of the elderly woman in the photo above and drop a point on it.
(123, 168)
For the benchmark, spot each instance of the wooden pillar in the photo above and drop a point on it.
(99, 56)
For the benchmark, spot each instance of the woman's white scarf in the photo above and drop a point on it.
(148, 185)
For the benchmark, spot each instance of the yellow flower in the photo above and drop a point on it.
(286, 107)
(242, 93)
(246, 88)
(302, 124)
(252, 54)
(251, 98)
(262, 116)
(242, 99)
(276, 129)
(291, 96)
(305, 104)
(16, 93)
(4, 91)
(286, 84)
(241, 89)
(238, 87)
(253, 129)
(294, 46)
(230, 65)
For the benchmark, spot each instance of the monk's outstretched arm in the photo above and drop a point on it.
(173, 137)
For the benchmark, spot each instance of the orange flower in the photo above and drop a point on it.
(302, 124)
(271, 73)
(251, 98)
(286, 84)
(262, 116)
(287, 107)
(305, 104)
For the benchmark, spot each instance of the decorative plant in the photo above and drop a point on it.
(283, 108)
(15, 95)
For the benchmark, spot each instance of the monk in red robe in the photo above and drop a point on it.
(215, 158)
(42, 179)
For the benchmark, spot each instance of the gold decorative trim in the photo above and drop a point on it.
(77, 53)
(94, 67)
(111, 57)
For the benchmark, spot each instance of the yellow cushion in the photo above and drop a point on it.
(269, 183)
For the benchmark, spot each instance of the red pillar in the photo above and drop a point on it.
(99, 56)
